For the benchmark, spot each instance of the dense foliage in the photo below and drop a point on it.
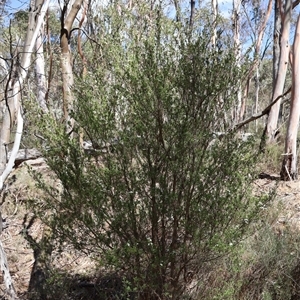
(159, 192)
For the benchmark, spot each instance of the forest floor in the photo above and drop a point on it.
(22, 236)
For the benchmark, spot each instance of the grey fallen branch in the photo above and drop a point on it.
(5, 272)
(89, 148)
(4, 267)
(262, 113)
(25, 154)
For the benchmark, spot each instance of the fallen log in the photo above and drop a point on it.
(25, 154)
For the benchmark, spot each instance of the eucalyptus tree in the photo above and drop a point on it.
(283, 63)
(14, 85)
(236, 27)
(257, 16)
(289, 170)
(41, 71)
(14, 112)
(215, 13)
(68, 15)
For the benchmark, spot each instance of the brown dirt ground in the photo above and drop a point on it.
(20, 189)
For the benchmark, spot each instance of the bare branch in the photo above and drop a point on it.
(295, 3)
(259, 38)
(83, 31)
(193, 2)
(177, 9)
(262, 113)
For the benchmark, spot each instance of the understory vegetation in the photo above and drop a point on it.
(145, 148)
(159, 195)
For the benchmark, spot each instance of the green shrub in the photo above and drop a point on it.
(158, 195)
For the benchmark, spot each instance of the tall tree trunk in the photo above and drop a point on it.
(289, 164)
(214, 8)
(256, 94)
(67, 19)
(40, 71)
(84, 61)
(83, 58)
(192, 13)
(244, 99)
(281, 72)
(276, 40)
(259, 32)
(237, 45)
(37, 11)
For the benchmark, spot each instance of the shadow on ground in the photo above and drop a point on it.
(77, 287)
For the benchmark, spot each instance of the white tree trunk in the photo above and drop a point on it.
(259, 32)
(289, 165)
(281, 72)
(237, 44)
(37, 14)
(276, 43)
(214, 8)
(38, 11)
(68, 16)
(256, 94)
(40, 71)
